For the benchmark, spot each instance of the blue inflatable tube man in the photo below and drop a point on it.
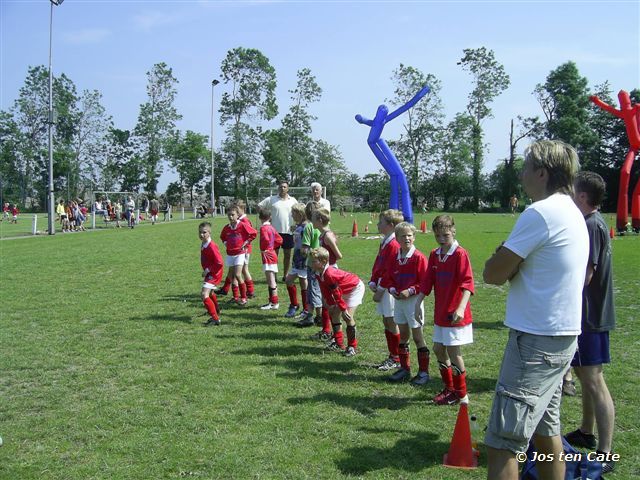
(399, 185)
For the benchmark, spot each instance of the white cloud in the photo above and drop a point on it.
(86, 35)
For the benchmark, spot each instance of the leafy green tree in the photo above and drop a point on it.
(252, 81)
(12, 165)
(489, 81)
(156, 122)
(416, 146)
(190, 157)
(124, 167)
(326, 167)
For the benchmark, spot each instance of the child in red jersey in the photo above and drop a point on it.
(451, 279)
(248, 280)
(236, 236)
(270, 240)
(342, 292)
(212, 269)
(320, 219)
(402, 280)
(14, 213)
(389, 248)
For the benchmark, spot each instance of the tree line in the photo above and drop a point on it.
(443, 159)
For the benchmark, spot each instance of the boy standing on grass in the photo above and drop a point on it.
(248, 280)
(451, 279)
(388, 251)
(310, 240)
(5, 211)
(402, 280)
(299, 267)
(270, 240)
(236, 236)
(342, 292)
(14, 213)
(211, 262)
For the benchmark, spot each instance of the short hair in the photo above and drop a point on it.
(403, 227)
(559, 159)
(311, 207)
(319, 253)
(443, 222)
(280, 182)
(233, 208)
(323, 215)
(593, 185)
(204, 225)
(392, 217)
(299, 209)
(264, 214)
(238, 202)
(315, 185)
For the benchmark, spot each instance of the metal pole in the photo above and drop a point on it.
(213, 196)
(51, 224)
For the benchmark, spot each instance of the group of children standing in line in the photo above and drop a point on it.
(401, 278)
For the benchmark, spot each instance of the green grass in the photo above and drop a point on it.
(105, 371)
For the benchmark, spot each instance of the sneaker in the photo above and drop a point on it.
(569, 388)
(447, 397)
(305, 322)
(350, 352)
(243, 302)
(302, 315)
(292, 311)
(422, 378)
(578, 438)
(608, 466)
(333, 346)
(270, 306)
(388, 364)
(321, 336)
(221, 292)
(232, 301)
(317, 321)
(211, 322)
(400, 375)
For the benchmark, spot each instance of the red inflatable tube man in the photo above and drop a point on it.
(630, 114)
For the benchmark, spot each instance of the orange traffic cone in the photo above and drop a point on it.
(423, 226)
(460, 451)
(611, 233)
(354, 230)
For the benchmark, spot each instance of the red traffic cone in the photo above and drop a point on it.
(423, 226)
(354, 230)
(611, 233)
(460, 451)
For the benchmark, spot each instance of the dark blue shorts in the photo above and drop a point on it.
(593, 349)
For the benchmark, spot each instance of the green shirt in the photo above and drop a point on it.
(310, 238)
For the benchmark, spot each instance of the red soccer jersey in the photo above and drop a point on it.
(236, 238)
(334, 283)
(246, 220)
(211, 261)
(15, 211)
(403, 273)
(447, 278)
(388, 250)
(270, 239)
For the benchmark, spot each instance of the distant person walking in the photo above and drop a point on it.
(280, 206)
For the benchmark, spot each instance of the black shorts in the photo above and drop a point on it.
(287, 240)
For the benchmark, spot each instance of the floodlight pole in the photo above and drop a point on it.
(51, 224)
(213, 196)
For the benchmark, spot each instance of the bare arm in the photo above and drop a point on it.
(589, 275)
(501, 266)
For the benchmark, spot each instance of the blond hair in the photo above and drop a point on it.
(392, 217)
(559, 159)
(404, 227)
(299, 209)
(323, 215)
(320, 253)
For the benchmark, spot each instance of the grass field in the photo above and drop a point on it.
(106, 372)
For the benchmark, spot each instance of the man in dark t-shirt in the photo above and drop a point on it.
(598, 318)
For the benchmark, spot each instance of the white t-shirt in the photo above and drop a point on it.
(281, 218)
(324, 203)
(545, 296)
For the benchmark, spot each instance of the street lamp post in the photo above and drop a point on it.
(51, 225)
(213, 196)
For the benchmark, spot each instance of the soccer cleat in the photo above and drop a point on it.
(333, 346)
(242, 302)
(317, 321)
(231, 301)
(321, 336)
(270, 306)
(211, 322)
(578, 438)
(400, 375)
(220, 292)
(350, 352)
(302, 315)
(422, 378)
(388, 364)
(292, 311)
(447, 397)
(608, 466)
(305, 322)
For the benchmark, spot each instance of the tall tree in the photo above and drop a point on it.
(529, 127)
(123, 168)
(189, 155)
(489, 81)
(416, 145)
(252, 81)
(156, 121)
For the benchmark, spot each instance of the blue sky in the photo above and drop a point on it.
(351, 47)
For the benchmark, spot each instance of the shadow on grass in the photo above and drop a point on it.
(477, 385)
(165, 318)
(364, 405)
(416, 451)
(278, 351)
(498, 325)
(263, 336)
(190, 298)
(322, 369)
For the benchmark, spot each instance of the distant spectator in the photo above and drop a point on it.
(513, 204)
(316, 196)
(154, 207)
(129, 212)
(60, 212)
(5, 211)
(201, 212)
